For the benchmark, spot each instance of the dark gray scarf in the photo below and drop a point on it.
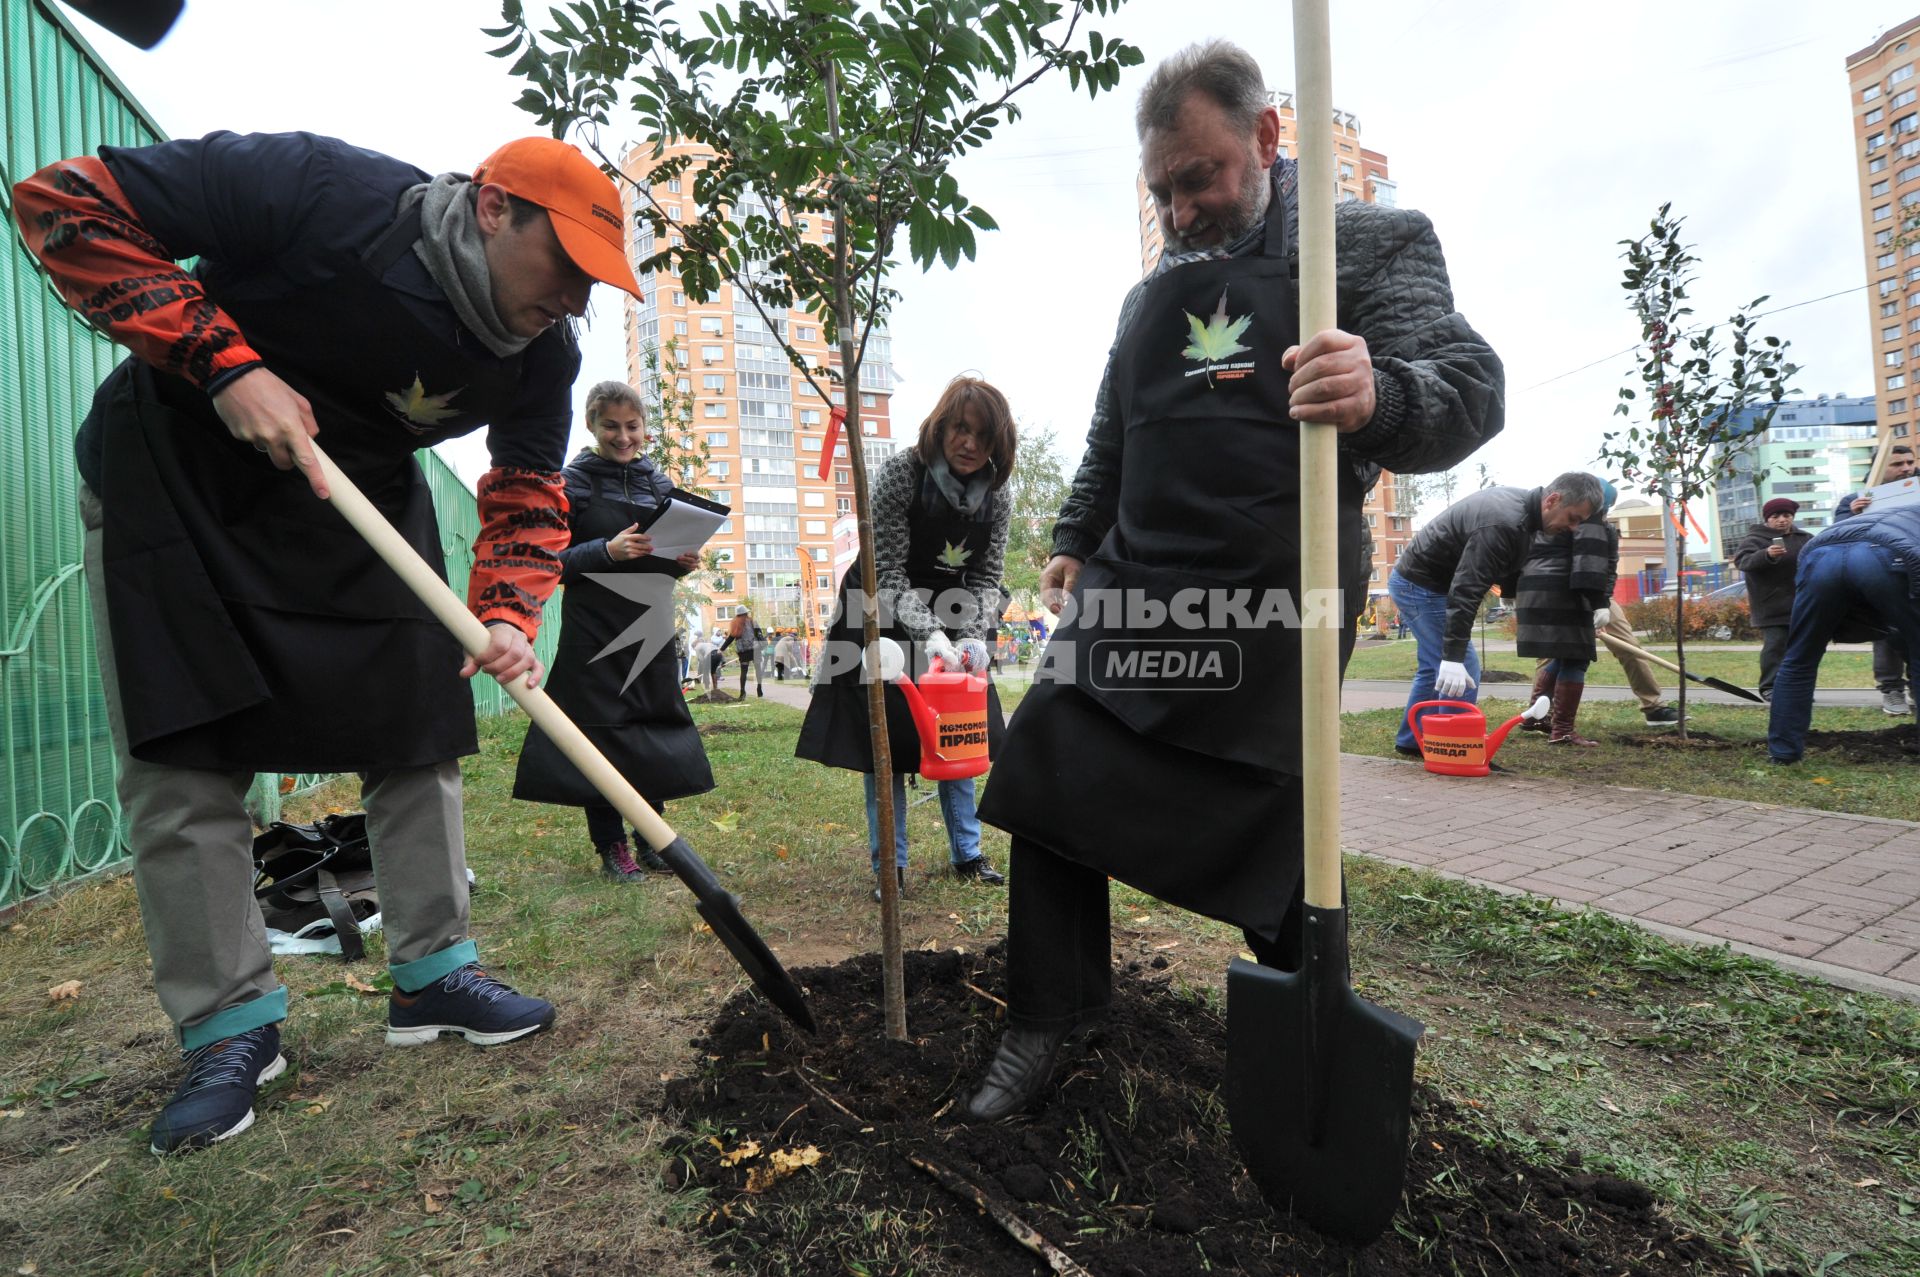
(454, 253)
(969, 495)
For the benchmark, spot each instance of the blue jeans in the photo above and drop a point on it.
(1833, 581)
(956, 809)
(1425, 613)
(1568, 671)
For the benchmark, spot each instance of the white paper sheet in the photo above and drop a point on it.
(683, 527)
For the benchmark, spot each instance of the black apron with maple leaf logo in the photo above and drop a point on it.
(1173, 680)
(253, 628)
(643, 726)
(939, 547)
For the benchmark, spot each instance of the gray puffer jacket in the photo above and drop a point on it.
(1468, 548)
(1439, 387)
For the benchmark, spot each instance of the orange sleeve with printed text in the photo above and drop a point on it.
(118, 277)
(516, 562)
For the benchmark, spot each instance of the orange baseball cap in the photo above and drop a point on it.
(581, 201)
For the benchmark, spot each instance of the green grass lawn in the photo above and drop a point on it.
(1776, 1114)
(1741, 668)
(1734, 765)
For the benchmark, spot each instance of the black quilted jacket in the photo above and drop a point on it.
(1440, 388)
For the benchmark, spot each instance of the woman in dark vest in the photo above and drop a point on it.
(638, 718)
(940, 515)
(1565, 584)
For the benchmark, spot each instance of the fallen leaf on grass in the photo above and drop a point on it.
(1866, 1183)
(1609, 1105)
(727, 823)
(317, 1105)
(780, 851)
(431, 1206)
(27, 1269)
(65, 991)
(1821, 780)
(358, 985)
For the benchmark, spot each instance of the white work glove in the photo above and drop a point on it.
(941, 647)
(1452, 681)
(973, 656)
(1602, 615)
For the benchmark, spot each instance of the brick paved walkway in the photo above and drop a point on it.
(1832, 894)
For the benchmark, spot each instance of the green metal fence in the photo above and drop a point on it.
(59, 818)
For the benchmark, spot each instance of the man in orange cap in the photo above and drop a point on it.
(242, 626)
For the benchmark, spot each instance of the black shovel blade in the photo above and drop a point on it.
(1721, 685)
(1320, 1093)
(720, 909)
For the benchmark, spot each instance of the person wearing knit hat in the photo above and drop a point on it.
(1769, 555)
(344, 293)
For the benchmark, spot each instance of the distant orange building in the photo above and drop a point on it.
(762, 423)
(1886, 140)
(1360, 174)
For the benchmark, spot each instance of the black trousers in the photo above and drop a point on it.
(605, 827)
(1773, 646)
(1060, 940)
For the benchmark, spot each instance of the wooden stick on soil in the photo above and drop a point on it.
(1016, 1228)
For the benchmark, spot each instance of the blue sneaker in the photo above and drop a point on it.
(469, 1002)
(215, 1099)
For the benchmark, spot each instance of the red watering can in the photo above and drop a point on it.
(949, 714)
(1457, 744)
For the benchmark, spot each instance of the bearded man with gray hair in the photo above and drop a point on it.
(1190, 489)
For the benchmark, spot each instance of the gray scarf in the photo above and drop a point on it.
(965, 495)
(455, 255)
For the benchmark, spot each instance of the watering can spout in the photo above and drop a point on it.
(1536, 710)
(923, 719)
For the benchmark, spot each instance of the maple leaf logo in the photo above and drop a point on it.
(954, 556)
(421, 408)
(1218, 338)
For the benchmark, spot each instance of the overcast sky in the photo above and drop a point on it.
(1536, 136)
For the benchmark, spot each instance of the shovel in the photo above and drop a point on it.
(717, 906)
(1620, 645)
(1319, 1080)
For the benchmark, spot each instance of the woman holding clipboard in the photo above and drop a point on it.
(639, 720)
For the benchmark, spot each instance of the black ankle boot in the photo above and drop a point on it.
(1020, 1070)
(901, 870)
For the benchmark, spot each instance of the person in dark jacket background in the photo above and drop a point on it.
(637, 718)
(1860, 574)
(1563, 595)
(1769, 555)
(1890, 668)
(1445, 572)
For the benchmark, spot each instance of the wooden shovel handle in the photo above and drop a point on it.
(1620, 645)
(473, 636)
(1319, 458)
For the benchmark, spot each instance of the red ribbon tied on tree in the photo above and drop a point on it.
(834, 420)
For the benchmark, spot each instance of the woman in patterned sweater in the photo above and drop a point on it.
(940, 515)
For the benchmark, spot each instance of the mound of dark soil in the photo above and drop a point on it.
(1504, 676)
(1127, 1165)
(1889, 744)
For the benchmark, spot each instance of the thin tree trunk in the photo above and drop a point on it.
(893, 993)
(1680, 625)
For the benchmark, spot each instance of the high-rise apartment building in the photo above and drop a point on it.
(1360, 174)
(761, 423)
(1886, 137)
(1815, 451)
